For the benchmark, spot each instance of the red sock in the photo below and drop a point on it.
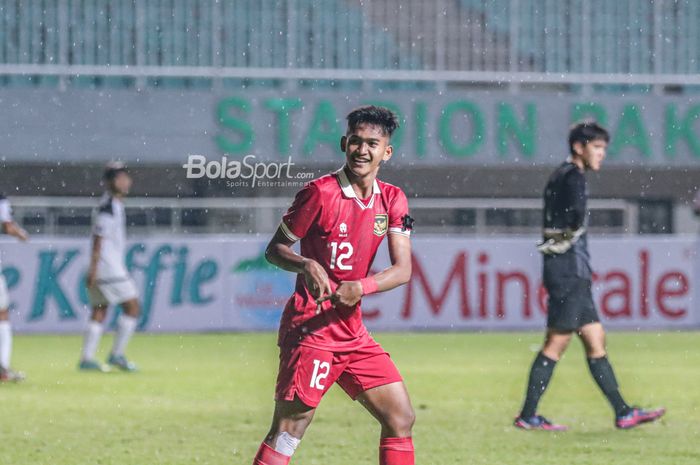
(396, 451)
(268, 456)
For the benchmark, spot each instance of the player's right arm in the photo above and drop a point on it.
(574, 196)
(13, 229)
(279, 252)
(8, 224)
(300, 217)
(94, 260)
(103, 223)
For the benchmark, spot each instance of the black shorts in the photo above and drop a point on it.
(570, 304)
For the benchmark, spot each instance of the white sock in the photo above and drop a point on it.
(93, 334)
(286, 444)
(126, 325)
(5, 344)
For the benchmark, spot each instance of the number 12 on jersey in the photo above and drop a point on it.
(340, 253)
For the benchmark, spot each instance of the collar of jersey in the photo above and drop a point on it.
(349, 192)
(107, 196)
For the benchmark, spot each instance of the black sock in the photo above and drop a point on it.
(604, 375)
(540, 374)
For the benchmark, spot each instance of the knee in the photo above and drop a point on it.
(400, 423)
(596, 352)
(99, 315)
(595, 346)
(295, 427)
(132, 308)
(554, 352)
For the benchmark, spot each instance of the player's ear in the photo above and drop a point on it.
(388, 152)
(578, 148)
(343, 143)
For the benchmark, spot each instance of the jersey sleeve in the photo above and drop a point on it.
(575, 195)
(399, 220)
(304, 212)
(103, 223)
(5, 211)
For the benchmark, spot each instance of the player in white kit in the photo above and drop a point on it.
(7, 226)
(108, 281)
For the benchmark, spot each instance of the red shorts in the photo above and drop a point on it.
(308, 373)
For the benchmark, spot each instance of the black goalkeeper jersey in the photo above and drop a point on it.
(565, 210)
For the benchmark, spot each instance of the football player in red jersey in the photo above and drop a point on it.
(341, 219)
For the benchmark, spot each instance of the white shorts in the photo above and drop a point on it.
(112, 292)
(4, 295)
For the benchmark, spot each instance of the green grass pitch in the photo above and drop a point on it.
(207, 399)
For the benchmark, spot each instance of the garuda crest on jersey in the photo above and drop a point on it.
(381, 224)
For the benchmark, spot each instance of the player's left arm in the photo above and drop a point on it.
(399, 237)
(349, 293)
(400, 270)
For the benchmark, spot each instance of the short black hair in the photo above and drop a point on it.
(374, 115)
(112, 169)
(585, 132)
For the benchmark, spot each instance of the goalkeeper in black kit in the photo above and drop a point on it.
(567, 278)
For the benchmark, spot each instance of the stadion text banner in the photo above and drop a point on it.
(216, 283)
(484, 128)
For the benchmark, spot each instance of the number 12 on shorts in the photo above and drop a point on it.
(321, 370)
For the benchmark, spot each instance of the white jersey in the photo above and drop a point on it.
(5, 213)
(109, 222)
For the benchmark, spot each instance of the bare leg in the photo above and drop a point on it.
(391, 406)
(556, 343)
(289, 423)
(593, 337)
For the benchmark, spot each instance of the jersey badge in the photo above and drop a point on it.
(381, 224)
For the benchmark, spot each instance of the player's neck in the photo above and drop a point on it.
(578, 162)
(362, 185)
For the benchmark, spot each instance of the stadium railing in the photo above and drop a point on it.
(148, 215)
(193, 43)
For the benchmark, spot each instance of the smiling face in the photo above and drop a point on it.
(365, 148)
(591, 154)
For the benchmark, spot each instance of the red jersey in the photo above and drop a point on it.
(342, 233)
